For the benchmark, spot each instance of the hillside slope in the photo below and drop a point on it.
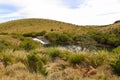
(37, 25)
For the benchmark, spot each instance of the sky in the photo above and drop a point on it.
(80, 12)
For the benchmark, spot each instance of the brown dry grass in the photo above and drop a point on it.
(10, 39)
(37, 25)
(59, 69)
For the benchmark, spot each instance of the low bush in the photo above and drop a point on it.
(98, 59)
(44, 57)
(85, 41)
(3, 33)
(76, 58)
(53, 52)
(35, 64)
(7, 59)
(116, 50)
(52, 37)
(5, 45)
(115, 65)
(59, 38)
(34, 34)
(106, 39)
(28, 44)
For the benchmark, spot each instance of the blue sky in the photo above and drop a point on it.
(73, 4)
(7, 9)
(81, 12)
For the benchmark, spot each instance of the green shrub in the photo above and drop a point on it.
(105, 38)
(97, 59)
(99, 37)
(113, 40)
(34, 34)
(3, 33)
(28, 44)
(42, 33)
(52, 37)
(65, 54)
(76, 58)
(17, 36)
(7, 59)
(64, 38)
(45, 59)
(52, 52)
(115, 64)
(35, 64)
(85, 41)
(59, 38)
(116, 50)
(5, 45)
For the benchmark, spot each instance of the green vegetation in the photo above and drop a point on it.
(34, 34)
(46, 61)
(116, 50)
(5, 45)
(105, 40)
(85, 41)
(76, 58)
(52, 52)
(57, 38)
(7, 59)
(28, 44)
(115, 64)
(24, 59)
(35, 64)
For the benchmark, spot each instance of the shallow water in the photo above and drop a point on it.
(40, 41)
(67, 47)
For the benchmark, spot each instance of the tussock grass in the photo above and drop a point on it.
(18, 71)
(60, 68)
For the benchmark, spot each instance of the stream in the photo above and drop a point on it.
(67, 47)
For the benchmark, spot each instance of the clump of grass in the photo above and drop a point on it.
(44, 58)
(116, 50)
(28, 45)
(57, 38)
(76, 58)
(5, 45)
(3, 33)
(34, 34)
(53, 52)
(96, 60)
(35, 64)
(7, 59)
(115, 64)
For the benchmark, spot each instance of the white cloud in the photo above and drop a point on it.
(92, 12)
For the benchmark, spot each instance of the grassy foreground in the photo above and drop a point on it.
(56, 64)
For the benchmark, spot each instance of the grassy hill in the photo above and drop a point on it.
(37, 25)
(111, 28)
(22, 58)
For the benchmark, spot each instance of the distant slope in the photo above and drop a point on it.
(112, 28)
(36, 25)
